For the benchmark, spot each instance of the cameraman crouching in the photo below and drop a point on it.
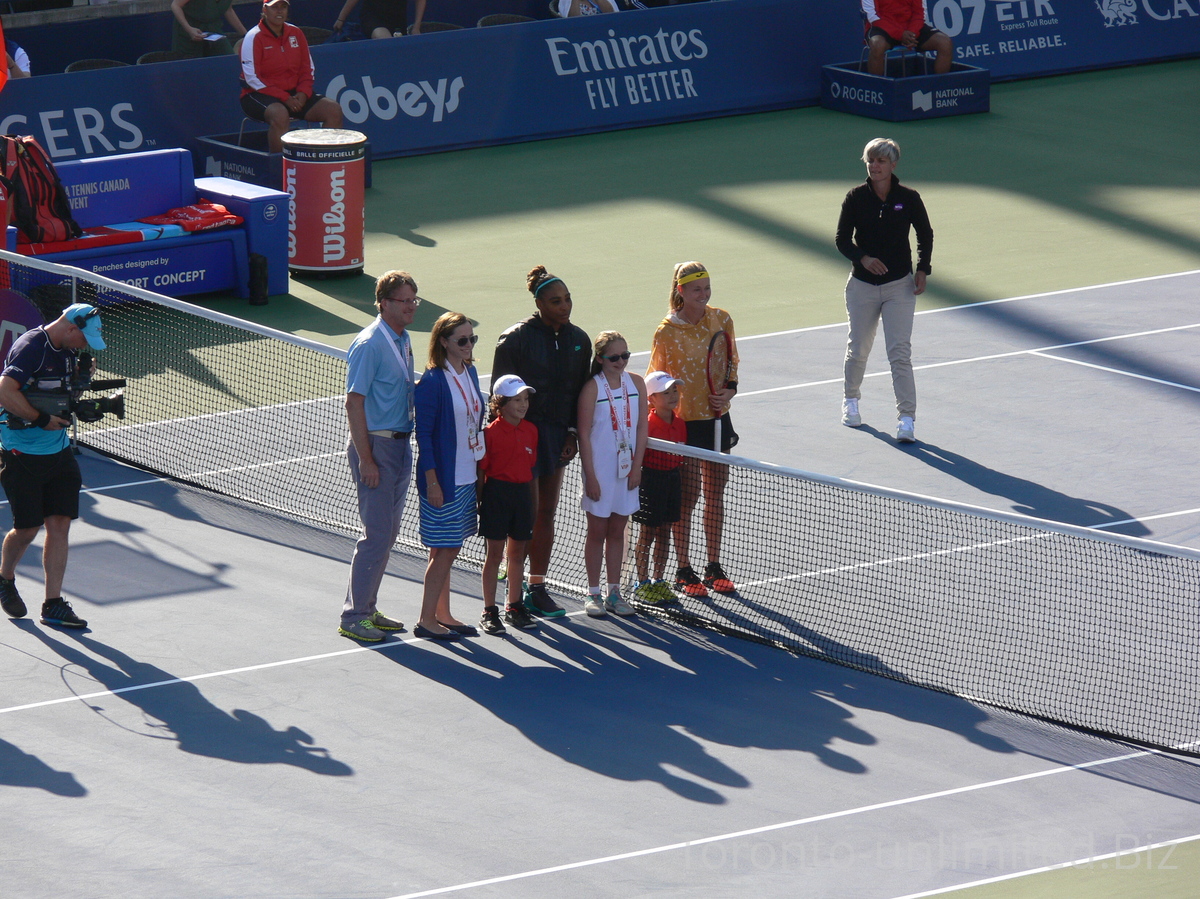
(38, 471)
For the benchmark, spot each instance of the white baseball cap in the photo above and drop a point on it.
(659, 381)
(510, 385)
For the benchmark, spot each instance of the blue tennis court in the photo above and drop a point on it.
(211, 736)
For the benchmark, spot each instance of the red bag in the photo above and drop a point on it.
(37, 202)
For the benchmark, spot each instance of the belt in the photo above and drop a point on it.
(394, 435)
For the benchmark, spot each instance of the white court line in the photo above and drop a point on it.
(4, 502)
(1034, 351)
(1079, 862)
(1114, 524)
(896, 560)
(375, 647)
(1115, 371)
(965, 306)
(799, 822)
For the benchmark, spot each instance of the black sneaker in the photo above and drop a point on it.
(715, 579)
(490, 621)
(688, 584)
(10, 599)
(538, 602)
(517, 616)
(58, 612)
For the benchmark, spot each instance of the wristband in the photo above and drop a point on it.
(42, 420)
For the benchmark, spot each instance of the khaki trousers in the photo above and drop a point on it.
(895, 303)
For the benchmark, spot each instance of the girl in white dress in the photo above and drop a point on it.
(612, 441)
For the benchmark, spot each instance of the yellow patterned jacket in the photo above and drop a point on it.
(681, 350)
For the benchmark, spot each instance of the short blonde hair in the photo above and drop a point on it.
(882, 148)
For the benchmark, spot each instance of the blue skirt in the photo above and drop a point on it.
(453, 523)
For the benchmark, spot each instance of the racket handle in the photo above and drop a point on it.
(717, 434)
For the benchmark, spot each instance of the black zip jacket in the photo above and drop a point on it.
(555, 365)
(869, 226)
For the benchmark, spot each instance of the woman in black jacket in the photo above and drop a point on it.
(552, 356)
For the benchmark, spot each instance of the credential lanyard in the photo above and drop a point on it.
(406, 368)
(622, 433)
(473, 407)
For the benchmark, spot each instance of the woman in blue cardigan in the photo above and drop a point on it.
(450, 410)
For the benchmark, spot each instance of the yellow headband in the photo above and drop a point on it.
(694, 276)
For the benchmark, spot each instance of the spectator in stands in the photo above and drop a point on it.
(18, 60)
(195, 20)
(382, 18)
(891, 23)
(277, 77)
(586, 7)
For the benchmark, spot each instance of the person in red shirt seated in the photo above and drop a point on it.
(891, 23)
(277, 77)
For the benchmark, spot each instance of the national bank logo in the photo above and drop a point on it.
(922, 101)
(1118, 12)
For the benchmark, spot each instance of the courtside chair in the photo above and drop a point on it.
(160, 56)
(84, 65)
(427, 27)
(503, 18)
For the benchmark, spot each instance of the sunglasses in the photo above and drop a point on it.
(616, 357)
(468, 341)
(82, 318)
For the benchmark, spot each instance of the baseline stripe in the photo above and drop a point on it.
(799, 822)
(1079, 862)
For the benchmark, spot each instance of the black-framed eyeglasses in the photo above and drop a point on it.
(416, 301)
(467, 341)
(616, 357)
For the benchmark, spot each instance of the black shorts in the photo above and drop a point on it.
(506, 510)
(923, 35)
(255, 104)
(661, 497)
(40, 485)
(702, 433)
(551, 440)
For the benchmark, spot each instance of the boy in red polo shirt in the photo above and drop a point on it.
(660, 490)
(506, 501)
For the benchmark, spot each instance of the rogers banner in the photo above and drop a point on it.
(554, 77)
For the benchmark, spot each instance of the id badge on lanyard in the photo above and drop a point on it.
(473, 406)
(624, 446)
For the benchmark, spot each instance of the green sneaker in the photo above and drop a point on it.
(381, 621)
(666, 596)
(363, 631)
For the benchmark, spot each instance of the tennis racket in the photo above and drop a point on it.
(718, 369)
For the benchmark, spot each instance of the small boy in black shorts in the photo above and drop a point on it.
(661, 491)
(506, 500)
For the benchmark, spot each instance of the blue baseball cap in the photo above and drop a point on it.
(87, 319)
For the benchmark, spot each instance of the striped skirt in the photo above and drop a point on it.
(453, 523)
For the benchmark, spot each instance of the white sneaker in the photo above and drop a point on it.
(594, 606)
(850, 416)
(905, 431)
(615, 603)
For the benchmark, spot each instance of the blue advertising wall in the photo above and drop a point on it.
(567, 76)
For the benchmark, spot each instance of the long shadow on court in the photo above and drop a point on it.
(1027, 497)
(20, 769)
(873, 685)
(198, 726)
(632, 700)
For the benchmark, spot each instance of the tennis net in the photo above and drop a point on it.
(1089, 629)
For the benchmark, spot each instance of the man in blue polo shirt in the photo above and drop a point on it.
(37, 466)
(379, 408)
